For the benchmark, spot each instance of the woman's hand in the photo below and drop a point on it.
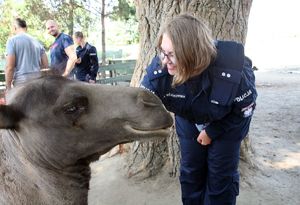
(203, 138)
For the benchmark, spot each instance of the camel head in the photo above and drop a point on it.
(57, 122)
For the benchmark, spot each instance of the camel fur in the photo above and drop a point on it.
(53, 128)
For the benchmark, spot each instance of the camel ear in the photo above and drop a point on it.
(9, 117)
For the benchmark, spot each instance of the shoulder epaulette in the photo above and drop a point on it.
(229, 62)
(88, 46)
(230, 55)
(227, 72)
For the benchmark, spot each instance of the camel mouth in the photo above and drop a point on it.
(155, 132)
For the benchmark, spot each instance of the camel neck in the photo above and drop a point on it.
(37, 185)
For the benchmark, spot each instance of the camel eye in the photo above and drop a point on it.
(76, 106)
(70, 109)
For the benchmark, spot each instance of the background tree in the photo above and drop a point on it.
(72, 15)
(228, 21)
(7, 10)
(116, 10)
(103, 33)
(126, 13)
(69, 14)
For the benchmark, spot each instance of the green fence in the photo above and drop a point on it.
(2, 74)
(2, 64)
(116, 72)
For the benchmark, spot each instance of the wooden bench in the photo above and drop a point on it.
(116, 72)
(2, 76)
(2, 79)
(2, 73)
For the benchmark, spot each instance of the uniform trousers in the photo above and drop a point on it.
(208, 174)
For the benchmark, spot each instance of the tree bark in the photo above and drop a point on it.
(228, 20)
(103, 56)
(70, 22)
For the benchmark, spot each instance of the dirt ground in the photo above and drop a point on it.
(275, 135)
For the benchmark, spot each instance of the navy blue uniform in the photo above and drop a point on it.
(88, 67)
(221, 100)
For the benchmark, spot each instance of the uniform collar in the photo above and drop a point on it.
(199, 83)
(59, 35)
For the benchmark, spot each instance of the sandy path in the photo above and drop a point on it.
(275, 136)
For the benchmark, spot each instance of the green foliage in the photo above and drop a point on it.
(68, 14)
(124, 32)
(125, 10)
(11, 9)
(125, 14)
(36, 22)
(6, 14)
(72, 15)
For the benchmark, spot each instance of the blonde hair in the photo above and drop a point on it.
(193, 46)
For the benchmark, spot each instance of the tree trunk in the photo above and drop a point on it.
(71, 18)
(103, 57)
(228, 20)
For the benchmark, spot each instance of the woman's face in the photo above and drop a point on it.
(167, 54)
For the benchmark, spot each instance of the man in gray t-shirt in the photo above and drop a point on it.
(25, 56)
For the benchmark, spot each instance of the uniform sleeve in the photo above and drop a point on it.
(148, 81)
(94, 62)
(242, 107)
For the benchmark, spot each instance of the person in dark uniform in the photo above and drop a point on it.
(86, 66)
(210, 87)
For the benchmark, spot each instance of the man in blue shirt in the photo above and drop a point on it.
(87, 66)
(62, 51)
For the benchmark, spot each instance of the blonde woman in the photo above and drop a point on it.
(209, 86)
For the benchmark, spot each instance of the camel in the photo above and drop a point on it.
(53, 128)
